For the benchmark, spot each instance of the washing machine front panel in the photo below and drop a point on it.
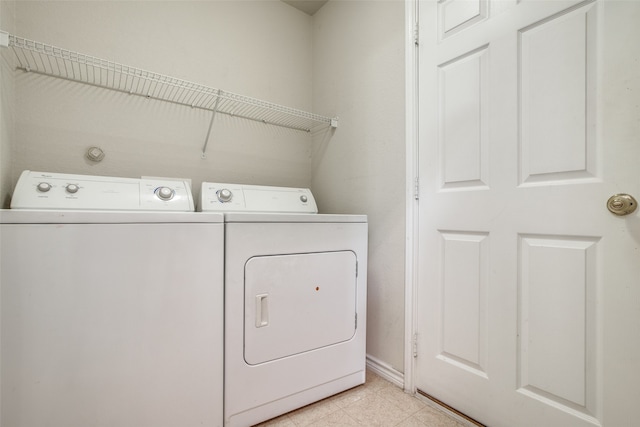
(297, 303)
(115, 323)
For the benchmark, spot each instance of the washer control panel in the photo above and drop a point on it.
(221, 197)
(41, 190)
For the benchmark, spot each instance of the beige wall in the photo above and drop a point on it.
(257, 48)
(347, 60)
(358, 66)
(7, 106)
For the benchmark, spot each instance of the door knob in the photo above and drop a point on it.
(622, 204)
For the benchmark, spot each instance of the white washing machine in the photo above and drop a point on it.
(295, 300)
(111, 304)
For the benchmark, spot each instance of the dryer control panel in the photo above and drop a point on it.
(221, 197)
(41, 190)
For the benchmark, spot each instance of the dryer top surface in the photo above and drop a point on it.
(263, 217)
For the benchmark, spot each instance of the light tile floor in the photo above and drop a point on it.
(375, 403)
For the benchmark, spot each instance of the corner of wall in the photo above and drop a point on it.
(360, 167)
(386, 371)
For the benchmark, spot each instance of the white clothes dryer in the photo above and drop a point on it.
(111, 304)
(295, 300)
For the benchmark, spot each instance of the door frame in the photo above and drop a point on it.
(412, 102)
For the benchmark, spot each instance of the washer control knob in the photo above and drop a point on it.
(43, 187)
(72, 188)
(225, 195)
(303, 199)
(165, 193)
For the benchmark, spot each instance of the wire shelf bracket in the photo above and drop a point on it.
(41, 58)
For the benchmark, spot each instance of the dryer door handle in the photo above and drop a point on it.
(262, 310)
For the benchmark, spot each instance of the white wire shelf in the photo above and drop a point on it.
(41, 58)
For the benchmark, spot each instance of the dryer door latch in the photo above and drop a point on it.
(262, 310)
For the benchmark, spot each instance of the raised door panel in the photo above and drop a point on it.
(557, 357)
(456, 15)
(463, 124)
(557, 97)
(463, 282)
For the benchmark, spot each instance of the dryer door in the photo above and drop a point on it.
(297, 303)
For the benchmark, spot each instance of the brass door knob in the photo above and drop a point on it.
(622, 204)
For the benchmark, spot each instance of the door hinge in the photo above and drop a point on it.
(416, 34)
(415, 345)
(416, 188)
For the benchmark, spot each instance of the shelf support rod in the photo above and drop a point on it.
(213, 116)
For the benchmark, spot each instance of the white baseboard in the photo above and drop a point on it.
(385, 371)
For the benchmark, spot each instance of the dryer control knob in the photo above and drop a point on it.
(72, 188)
(225, 195)
(43, 187)
(165, 193)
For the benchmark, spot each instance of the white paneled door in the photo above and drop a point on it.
(529, 290)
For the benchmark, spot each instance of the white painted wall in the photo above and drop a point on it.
(7, 11)
(358, 67)
(346, 60)
(257, 48)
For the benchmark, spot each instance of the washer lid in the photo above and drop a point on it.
(50, 216)
(221, 197)
(41, 190)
